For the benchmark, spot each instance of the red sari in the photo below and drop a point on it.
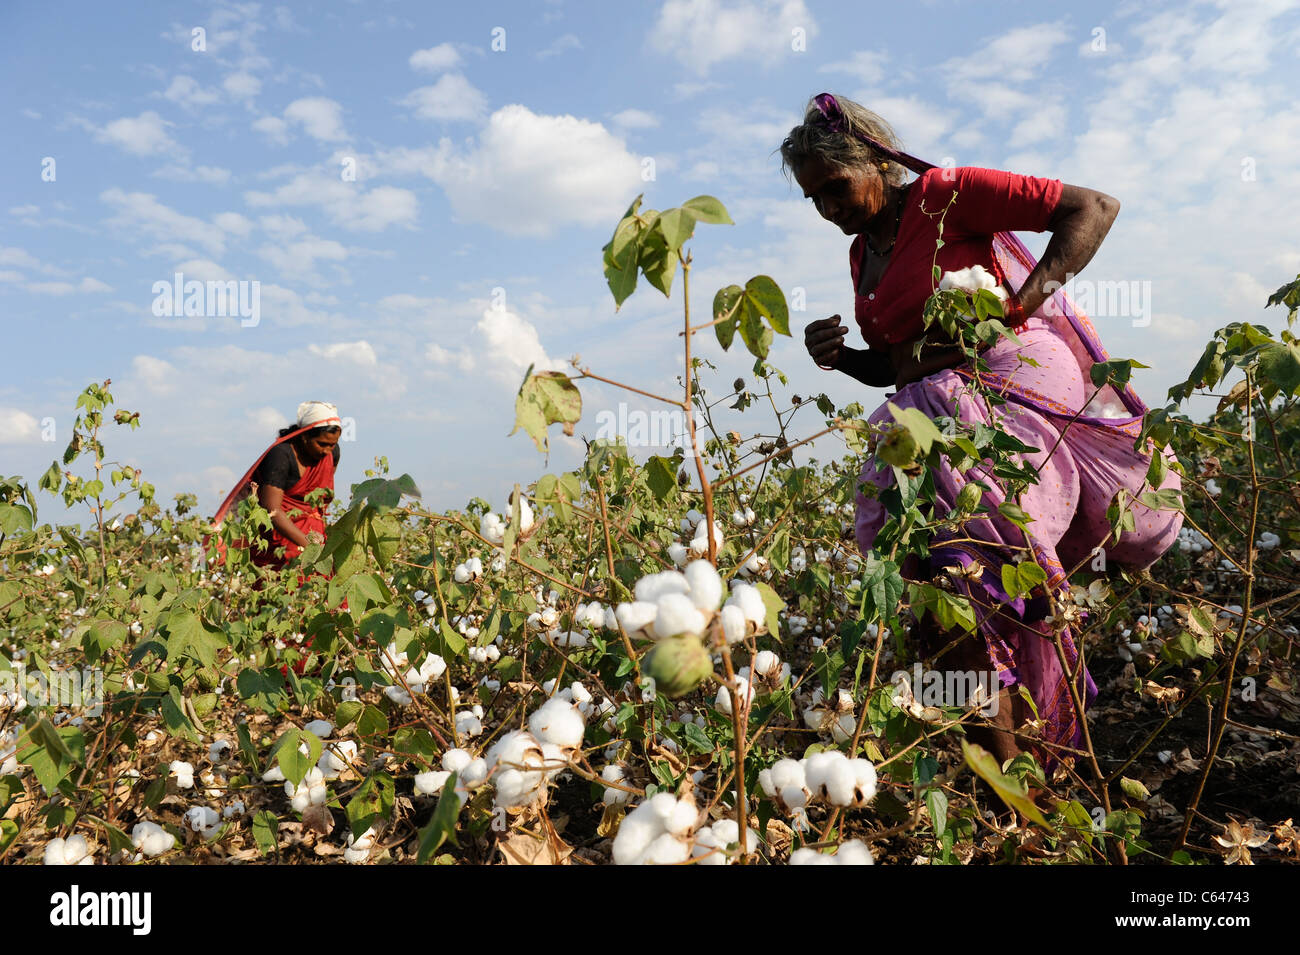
(306, 517)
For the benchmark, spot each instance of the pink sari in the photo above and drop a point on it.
(1082, 462)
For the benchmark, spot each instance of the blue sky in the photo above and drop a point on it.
(482, 169)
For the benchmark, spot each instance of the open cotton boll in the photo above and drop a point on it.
(864, 778)
(322, 728)
(733, 623)
(206, 822)
(310, 792)
(474, 773)
(840, 784)
(676, 614)
(700, 542)
(683, 817)
(765, 661)
(750, 602)
(151, 839)
(273, 775)
(689, 522)
(704, 585)
(558, 721)
(455, 760)
(653, 586)
(357, 850)
(818, 767)
(787, 773)
(635, 834)
(236, 808)
(636, 617)
(678, 553)
(431, 783)
(467, 724)
(70, 851)
(399, 695)
(492, 528)
(615, 773)
(184, 773)
(335, 758)
(854, 852)
(743, 689)
(808, 856)
(218, 750)
(666, 850)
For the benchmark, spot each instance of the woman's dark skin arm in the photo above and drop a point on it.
(1080, 222)
(271, 498)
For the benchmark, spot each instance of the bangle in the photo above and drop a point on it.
(1013, 313)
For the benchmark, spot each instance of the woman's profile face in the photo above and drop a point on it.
(849, 197)
(316, 446)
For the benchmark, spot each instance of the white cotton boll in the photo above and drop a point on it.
(474, 773)
(550, 618)
(765, 783)
(798, 563)
(460, 574)
(558, 721)
(615, 773)
(705, 586)
(806, 856)
(526, 517)
(845, 725)
(419, 596)
(636, 617)
(661, 806)
(1268, 540)
(750, 602)
(322, 728)
(683, 818)
(398, 695)
(455, 760)
(765, 661)
(840, 784)
(733, 623)
(151, 839)
(854, 852)
(566, 639)
(579, 693)
(310, 792)
(794, 797)
(634, 836)
(184, 773)
(433, 667)
(679, 553)
(818, 767)
(653, 586)
(218, 750)
(708, 848)
(692, 518)
(336, 757)
(357, 851)
(738, 518)
(70, 851)
(273, 775)
(864, 777)
(236, 808)
(492, 528)
(676, 614)
(744, 691)
(700, 542)
(206, 822)
(666, 850)
(431, 783)
(467, 724)
(787, 773)
(1212, 488)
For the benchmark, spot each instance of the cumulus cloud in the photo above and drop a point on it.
(354, 353)
(18, 427)
(452, 98)
(143, 135)
(213, 175)
(142, 212)
(346, 204)
(297, 260)
(634, 119)
(435, 59)
(186, 91)
(154, 375)
(703, 33)
(461, 358)
(529, 173)
(319, 117)
(242, 85)
(513, 343)
(273, 128)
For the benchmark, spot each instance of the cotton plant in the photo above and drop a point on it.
(310, 792)
(1192, 541)
(853, 852)
(151, 839)
(828, 777)
(659, 831)
(837, 719)
(719, 843)
(356, 851)
(336, 758)
(468, 571)
(522, 766)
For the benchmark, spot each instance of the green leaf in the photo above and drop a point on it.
(441, 827)
(266, 829)
(676, 226)
(661, 477)
(727, 302)
(293, 763)
(774, 605)
(1134, 789)
(372, 722)
(708, 209)
(373, 801)
(451, 645)
(544, 399)
(936, 801)
(921, 427)
(1010, 791)
(1279, 366)
(769, 301)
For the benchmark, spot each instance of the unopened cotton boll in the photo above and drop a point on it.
(558, 721)
(704, 585)
(70, 851)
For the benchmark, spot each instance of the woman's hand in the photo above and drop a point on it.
(824, 340)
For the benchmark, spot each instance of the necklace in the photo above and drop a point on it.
(898, 218)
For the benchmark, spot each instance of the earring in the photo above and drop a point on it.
(884, 165)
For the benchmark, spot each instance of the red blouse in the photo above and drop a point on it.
(988, 201)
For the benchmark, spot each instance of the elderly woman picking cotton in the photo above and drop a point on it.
(847, 161)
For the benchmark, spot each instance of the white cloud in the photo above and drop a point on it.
(560, 45)
(141, 212)
(1015, 56)
(51, 288)
(24, 210)
(634, 119)
(462, 358)
(18, 427)
(865, 66)
(319, 117)
(513, 343)
(186, 91)
(273, 128)
(89, 284)
(530, 173)
(233, 223)
(355, 353)
(297, 260)
(143, 135)
(703, 33)
(213, 175)
(266, 419)
(435, 59)
(405, 300)
(346, 204)
(242, 85)
(282, 227)
(154, 375)
(452, 98)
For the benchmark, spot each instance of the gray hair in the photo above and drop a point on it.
(815, 138)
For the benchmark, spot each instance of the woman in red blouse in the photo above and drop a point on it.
(846, 160)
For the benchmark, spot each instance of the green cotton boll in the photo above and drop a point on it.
(677, 665)
(897, 448)
(968, 498)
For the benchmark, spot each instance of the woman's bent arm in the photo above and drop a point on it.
(271, 498)
(1081, 220)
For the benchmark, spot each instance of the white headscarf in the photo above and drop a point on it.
(318, 414)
